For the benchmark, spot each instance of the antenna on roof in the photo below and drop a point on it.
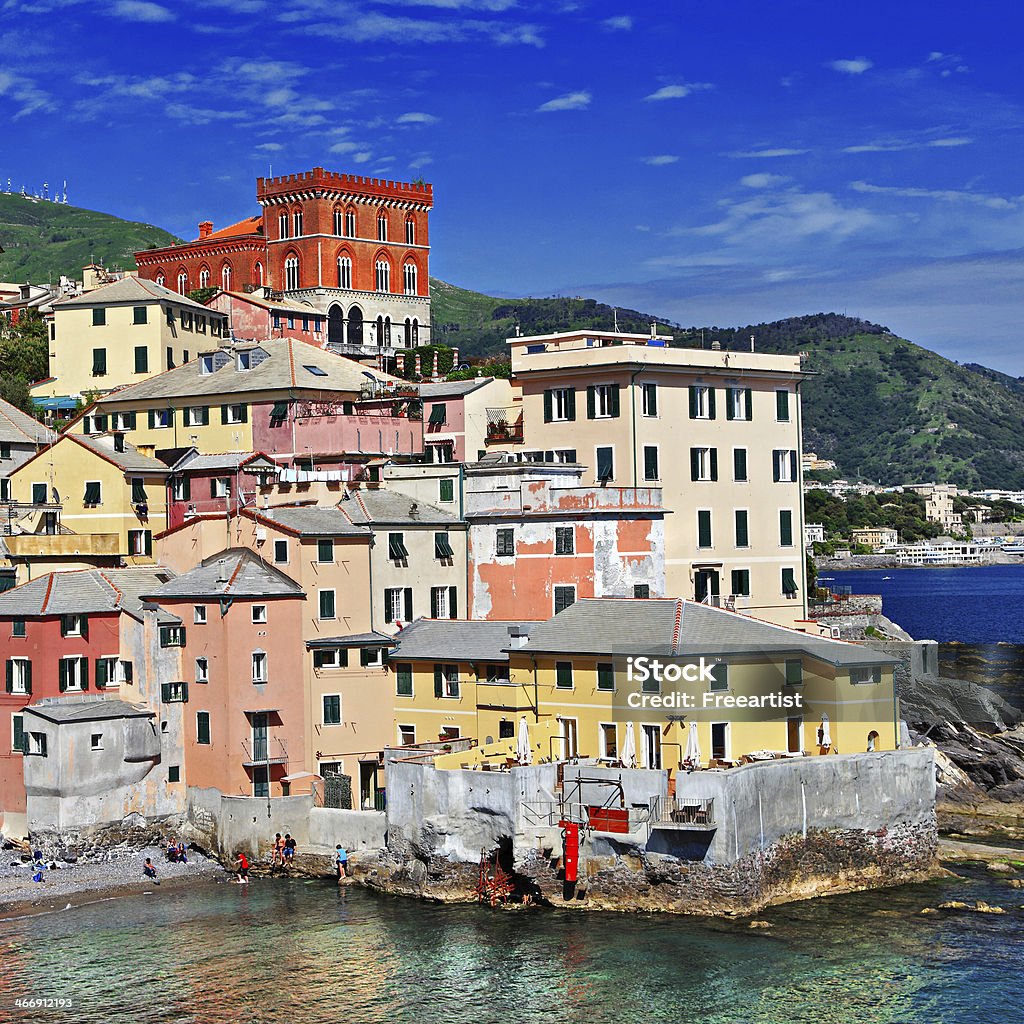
(615, 320)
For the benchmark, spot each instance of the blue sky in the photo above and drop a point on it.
(712, 163)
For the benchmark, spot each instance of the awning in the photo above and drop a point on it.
(437, 413)
(58, 402)
(442, 548)
(295, 776)
(397, 550)
(280, 411)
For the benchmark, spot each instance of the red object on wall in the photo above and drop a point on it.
(609, 819)
(571, 851)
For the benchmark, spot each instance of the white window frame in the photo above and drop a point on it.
(161, 419)
(396, 597)
(341, 714)
(243, 361)
(406, 735)
(234, 413)
(601, 738)
(597, 459)
(737, 399)
(560, 404)
(702, 401)
(19, 681)
(603, 401)
(319, 604)
(439, 602)
(645, 389)
(280, 561)
(259, 614)
(703, 464)
(194, 416)
(657, 459)
(203, 672)
(206, 365)
(260, 666)
(78, 673)
(782, 462)
(199, 615)
(222, 487)
(728, 739)
(746, 462)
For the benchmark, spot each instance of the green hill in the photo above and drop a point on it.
(43, 240)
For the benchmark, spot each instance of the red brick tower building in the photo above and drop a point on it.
(354, 248)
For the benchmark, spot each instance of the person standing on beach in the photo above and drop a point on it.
(289, 848)
(278, 857)
(241, 868)
(341, 862)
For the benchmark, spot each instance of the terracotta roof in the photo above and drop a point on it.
(249, 226)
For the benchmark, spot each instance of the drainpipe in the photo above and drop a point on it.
(369, 566)
(800, 465)
(632, 416)
(465, 536)
(536, 691)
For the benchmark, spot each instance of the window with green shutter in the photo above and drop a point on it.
(605, 463)
(794, 672)
(704, 528)
(739, 464)
(92, 492)
(141, 359)
(99, 362)
(563, 675)
(605, 675)
(442, 547)
(650, 399)
(203, 727)
(564, 597)
(327, 607)
(397, 551)
(403, 679)
(332, 709)
(39, 494)
(782, 406)
(785, 528)
(719, 676)
(140, 315)
(99, 317)
(651, 462)
(278, 414)
(789, 587)
(742, 528)
(446, 490)
(324, 551)
(18, 743)
(741, 583)
(138, 491)
(438, 413)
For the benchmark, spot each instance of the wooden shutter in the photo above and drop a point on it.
(792, 466)
(151, 414)
(453, 602)
(570, 404)
(548, 406)
(408, 604)
(749, 403)
(438, 681)
(28, 676)
(434, 602)
(591, 401)
(777, 465)
(693, 404)
(62, 675)
(730, 403)
(388, 617)
(213, 487)
(10, 676)
(614, 404)
(85, 673)
(694, 463)
(714, 463)
(742, 529)
(224, 414)
(147, 538)
(711, 403)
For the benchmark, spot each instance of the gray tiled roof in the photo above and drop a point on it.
(313, 521)
(456, 640)
(131, 460)
(91, 709)
(222, 460)
(131, 289)
(83, 592)
(17, 427)
(283, 369)
(353, 640)
(392, 508)
(453, 388)
(637, 626)
(237, 572)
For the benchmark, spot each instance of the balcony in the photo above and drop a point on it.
(504, 426)
(63, 545)
(264, 750)
(695, 814)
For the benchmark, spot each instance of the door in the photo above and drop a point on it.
(795, 735)
(720, 741)
(652, 746)
(707, 584)
(259, 736)
(569, 745)
(367, 785)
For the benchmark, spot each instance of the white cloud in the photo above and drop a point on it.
(853, 66)
(270, 147)
(763, 180)
(142, 10)
(678, 92)
(900, 145)
(947, 195)
(570, 101)
(346, 147)
(423, 160)
(417, 117)
(662, 160)
(766, 154)
(619, 23)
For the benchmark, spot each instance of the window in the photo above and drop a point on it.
(403, 679)
(605, 675)
(444, 603)
(397, 551)
(280, 552)
(141, 359)
(446, 490)
(5, 489)
(406, 735)
(564, 596)
(382, 227)
(204, 277)
(609, 740)
(702, 402)
(344, 272)
(139, 496)
(438, 413)
(282, 225)
(383, 276)
(866, 674)
(181, 488)
(106, 672)
(243, 361)
(719, 676)
(259, 613)
(739, 464)
(332, 709)
(559, 405)
(19, 675)
(327, 604)
(785, 528)
(720, 741)
(649, 398)
(794, 672)
(651, 462)
(234, 414)
(782, 406)
(330, 657)
(18, 732)
(563, 675)
(39, 493)
(789, 587)
(259, 667)
(742, 528)
(410, 231)
(73, 625)
(202, 670)
(160, 419)
(505, 542)
(641, 590)
(186, 320)
(605, 463)
(18, 627)
(99, 362)
(140, 543)
(446, 680)
(297, 223)
(498, 674)
(398, 604)
(410, 277)
(350, 223)
(96, 741)
(73, 674)
(197, 416)
(704, 464)
(172, 636)
(740, 580)
(325, 551)
(206, 364)
(704, 528)
(291, 273)
(602, 401)
(784, 465)
(203, 727)
(738, 404)
(5, 449)
(93, 493)
(36, 744)
(99, 317)
(371, 657)
(220, 487)
(140, 315)
(442, 547)
(174, 773)
(565, 540)
(182, 282)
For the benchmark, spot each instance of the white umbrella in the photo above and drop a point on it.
(824, 736)
(628, 755)
(523, 752)
(692, 757)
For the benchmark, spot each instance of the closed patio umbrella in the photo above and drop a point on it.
(629, 747)
(824, 736)
(523, 752)
(692, 757)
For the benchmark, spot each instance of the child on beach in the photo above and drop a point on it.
(289, 848)
(149, 870)
(341, 862)
(278, 857)
(241, 868)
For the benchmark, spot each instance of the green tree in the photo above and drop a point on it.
(24, 357)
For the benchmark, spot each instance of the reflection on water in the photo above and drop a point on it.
(303, 953)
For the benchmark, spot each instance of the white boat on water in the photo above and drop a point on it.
(1013, 549)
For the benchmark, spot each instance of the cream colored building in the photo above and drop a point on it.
(123, 333)
(878, 538)
(717, 431)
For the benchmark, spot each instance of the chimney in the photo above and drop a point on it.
(517, 636)
(205, 228)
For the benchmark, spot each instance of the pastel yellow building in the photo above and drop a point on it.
(122, 333)
(766, 691)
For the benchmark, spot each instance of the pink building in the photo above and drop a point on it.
(255, 316)
(221, 484)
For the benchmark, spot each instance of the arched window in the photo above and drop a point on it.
(409, 276)
(339, 221)
(382, 227)
(387, 331)
(160, 278)
(258, 273)
(415, 331)
(297, 223)
(408, 332)
(350, 222)
(282, 225)
(291, 274)
(410, 231)
(204, 276)
(383, 276)
(344, 271)
(225, 277)
(182, 281)
(380, 331)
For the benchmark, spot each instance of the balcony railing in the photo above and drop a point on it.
(264, 750)
(680, 812)
(504, 426)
